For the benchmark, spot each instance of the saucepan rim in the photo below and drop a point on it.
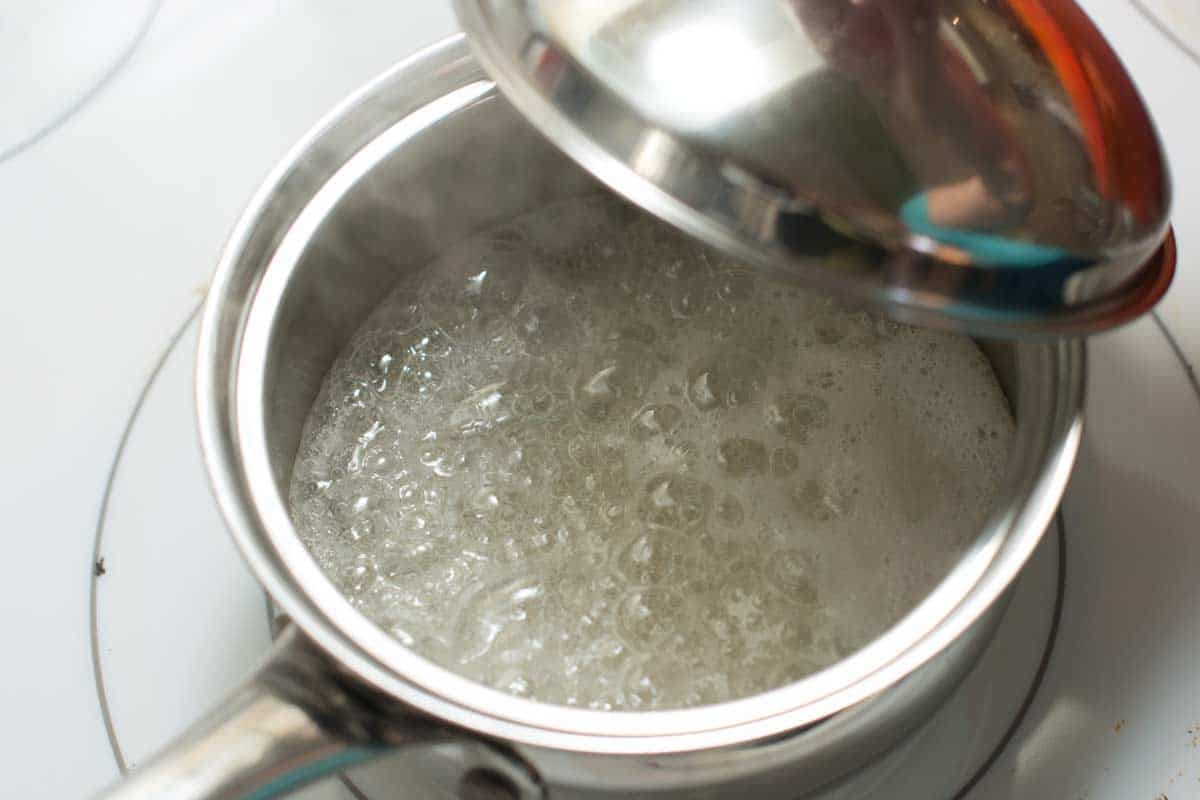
(235, 336)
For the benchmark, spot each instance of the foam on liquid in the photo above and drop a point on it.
(583, 459)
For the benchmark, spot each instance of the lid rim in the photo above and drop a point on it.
(978, 283)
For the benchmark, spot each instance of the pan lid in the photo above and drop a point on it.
(988, 167)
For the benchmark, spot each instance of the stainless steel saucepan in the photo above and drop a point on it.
(422, 157)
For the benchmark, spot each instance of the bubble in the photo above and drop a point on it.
(825, 498)
(404, 566)
(734, 287)
(483, 409)
(478, 277)
(590, 265)
(362, 529)
(662, 680)
(784, 461)
(796, 415)
(515, 684)
(538, 385)
(510, 240)
(864, 334)
(649, 617)
(487, 503)
(569, 481)
(610, 453)
(792, 572)
(744, 594)
(632, 336)
(655, 420)
(614, 513)
(727, 379)
(428, 344)
(436, 458)
(739, 457)
(543, 328)
(400, 314)
(375, 360)
(358, 576)
(647, 560)
(581, 446)
(684, 455)
(831, 329)
(417, 378)
(687, 303)
(675, 502)
(796, 635)
(810, 498)
(489, 614)
(730, 512)
(604, 592)
(350, 498)
(705, 689)
(537, 402)
(609, 388)
(724, 641)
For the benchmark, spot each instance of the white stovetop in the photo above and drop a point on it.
(111, 225)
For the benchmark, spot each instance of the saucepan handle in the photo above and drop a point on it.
(298, 719)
